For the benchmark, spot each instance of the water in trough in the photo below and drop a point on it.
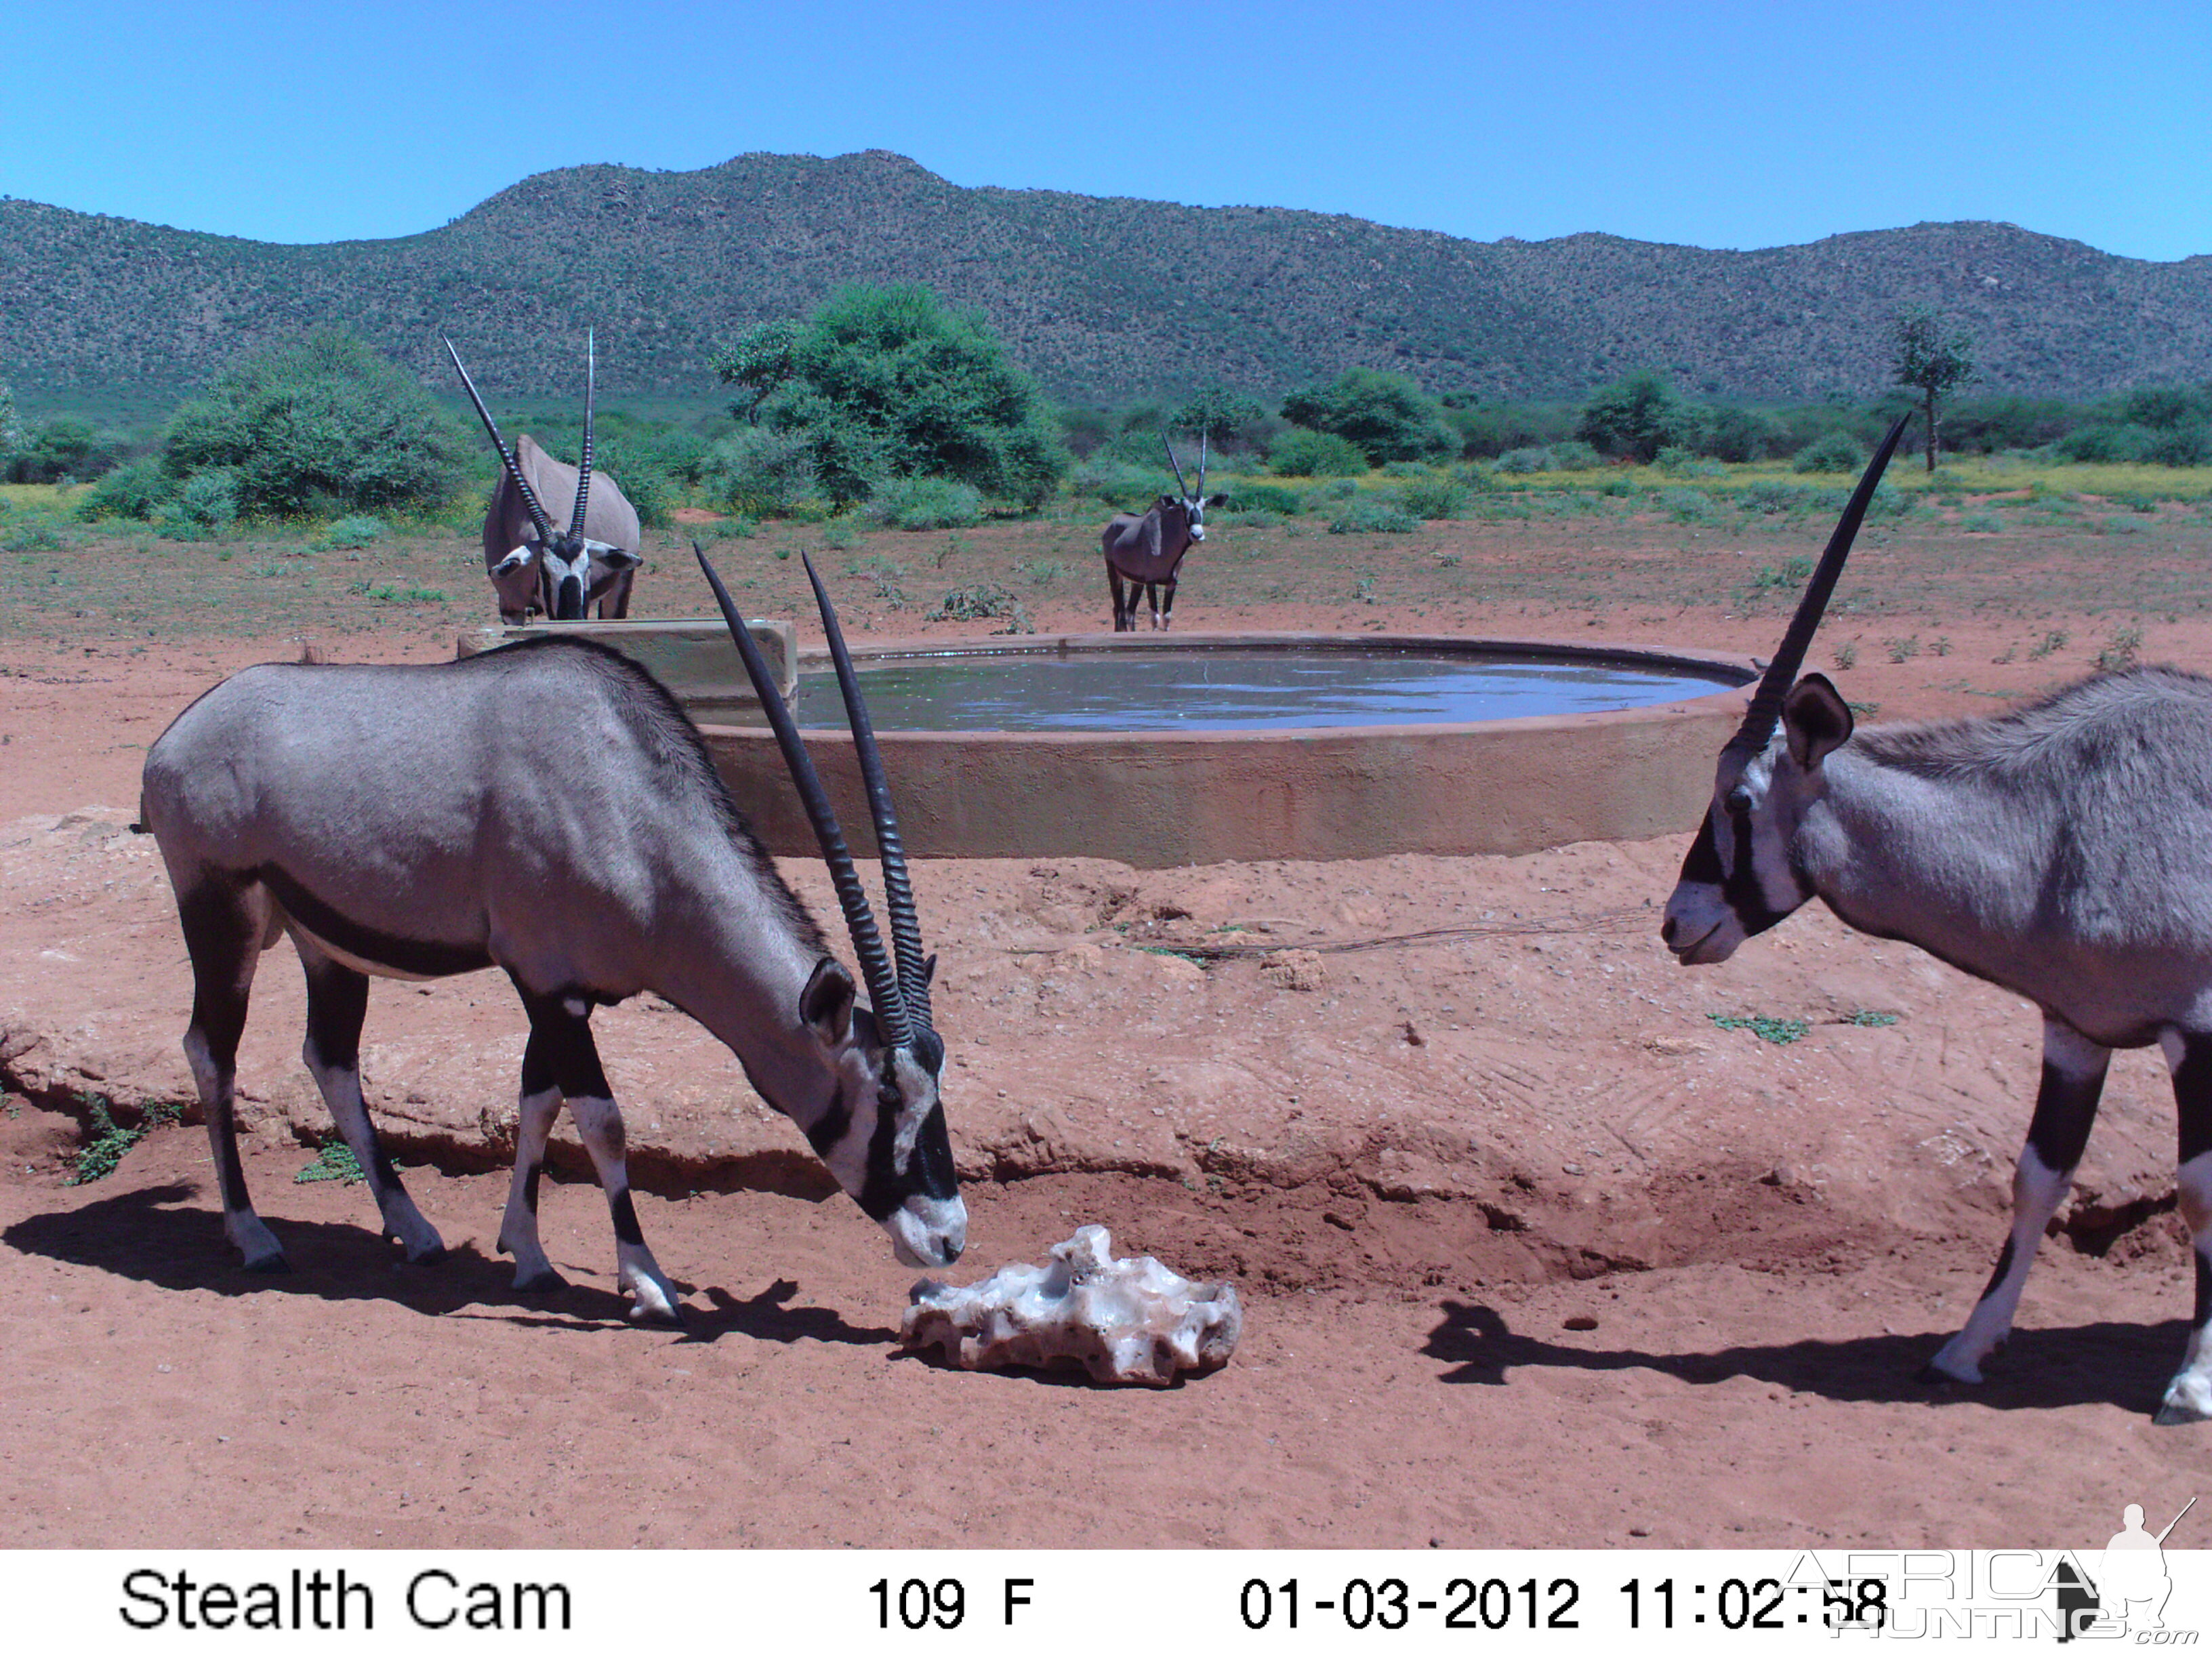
(1207, 689)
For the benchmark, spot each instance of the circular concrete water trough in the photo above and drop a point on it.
(1191, 793)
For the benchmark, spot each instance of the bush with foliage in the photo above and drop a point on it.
(1730, 433)
(1374, 513)
(137, 489)
(885, 383)
(322, 423)
(1227, 418)
(1637, 416)
(1837, 453)
(1254, 497)
(62, 450)
(1433, 497)
(925, 504)
(206, 505)
(757, 470)
(1387, 416)
(361, 530)
(1119, 484)
(11, 432)
(1304, 453)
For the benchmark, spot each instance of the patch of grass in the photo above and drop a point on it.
(2121, 650)
(335, 1162)
(99, 1157)
(1869, 1016)
(1767, 1028)
(984, 601)
(1373, 514)
(1847, 654)
(2053, 641)
(1904, 650)
(393, 594)
(1981, 523)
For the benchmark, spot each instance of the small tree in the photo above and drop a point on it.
(1932, 362)
(1636, 416)
(886, 383)
(11, 434)
(322, 423)
(1389, 417)
(1219, 412)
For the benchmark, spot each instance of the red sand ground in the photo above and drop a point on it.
(1769, 1241)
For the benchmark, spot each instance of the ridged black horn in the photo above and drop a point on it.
(1759, 720)
(876, 968)
(898, 890)
(1174, 463)
(506, 459)
(584, 472)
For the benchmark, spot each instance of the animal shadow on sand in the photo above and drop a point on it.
(2125, 1366)
(165, 1236)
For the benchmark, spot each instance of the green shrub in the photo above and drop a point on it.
(756, 471)
(983, 601)
(1387, 416)
(1837, 453)
(1519, 461)
(359, 531)
(1771, 495)
(1685, 506)
(1264, 498)
(137, 490)
(1982, 522)
(319, 424)
(1433, 497)
(206, 504)
(925, 504)
(1304, 453)
(1573, 455)
(1636, 416)
(1373, 512)
(1123, 485)
(887, 382)
(64, 450)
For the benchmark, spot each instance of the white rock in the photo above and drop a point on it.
(1130, 1321)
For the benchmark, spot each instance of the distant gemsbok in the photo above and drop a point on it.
(534, 567)
(1147, 549)
(2063, 851)
(545, 808)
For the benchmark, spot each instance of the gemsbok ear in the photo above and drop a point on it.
(826, 1004)
(1816, 720)
(1217, 498)
(618, 558)
(514, 561)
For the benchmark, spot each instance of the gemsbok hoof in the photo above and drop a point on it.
(2172, 1415)
(275, 1263)
(540, 1284)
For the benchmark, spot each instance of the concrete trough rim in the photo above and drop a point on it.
(815, 658)
(1159, 799)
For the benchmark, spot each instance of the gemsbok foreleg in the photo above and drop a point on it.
(2189, 1396)
(1164, 607)
(337, 1000)
(2065, 1106)
(226, 925)
(1125, 602)
(562, 1055)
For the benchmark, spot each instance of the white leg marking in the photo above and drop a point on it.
(599, 1121)
(518, 1228)
(2189, 1396)
(342, 1094)
(2037, 1192)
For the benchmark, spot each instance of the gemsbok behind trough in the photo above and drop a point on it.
(2062, 850)
(534, 567)
(548, 810)
(1147, 548)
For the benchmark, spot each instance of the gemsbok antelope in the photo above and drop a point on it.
(548, 810)
(2062, 850)
(534, 567)
(1147, 548)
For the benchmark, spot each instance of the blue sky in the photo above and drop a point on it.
(1720, 125)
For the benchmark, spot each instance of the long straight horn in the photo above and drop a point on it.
(1201, 461)
(898, 891)
(584, 472)
(1174, 463)
(1758, 721)
(529, 495)
(867, 944)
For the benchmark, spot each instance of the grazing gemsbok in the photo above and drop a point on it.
(532, 566)
(1148, 548)
(545, 808)
(2063, 851)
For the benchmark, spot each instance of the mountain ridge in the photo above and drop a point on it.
(1102, 297)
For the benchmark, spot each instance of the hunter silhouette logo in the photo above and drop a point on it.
(2131, 1585)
